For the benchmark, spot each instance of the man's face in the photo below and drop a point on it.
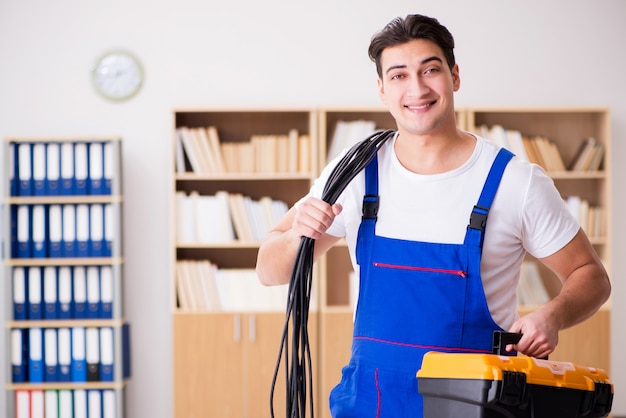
(418, 86)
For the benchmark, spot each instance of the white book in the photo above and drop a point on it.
(51, 402)
(109, 409)
(65, 404)
(80, 403)
(22, 404)
(216, 148)
(185, 219)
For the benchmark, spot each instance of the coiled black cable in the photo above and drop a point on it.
(298, 368)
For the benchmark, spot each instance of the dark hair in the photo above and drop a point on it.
(400, 31)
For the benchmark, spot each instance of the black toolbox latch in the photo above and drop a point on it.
(514, 390)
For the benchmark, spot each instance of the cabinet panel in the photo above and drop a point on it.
(208, 366)
(336, 341)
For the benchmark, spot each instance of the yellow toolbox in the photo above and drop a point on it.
(498, 386)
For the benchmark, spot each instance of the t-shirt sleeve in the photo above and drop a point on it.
(548, 224)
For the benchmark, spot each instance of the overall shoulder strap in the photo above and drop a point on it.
(478, 218)
(367, 228)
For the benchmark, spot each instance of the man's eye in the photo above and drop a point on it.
(397, 76)
(431, 71)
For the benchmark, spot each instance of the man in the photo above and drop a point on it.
(431, 278)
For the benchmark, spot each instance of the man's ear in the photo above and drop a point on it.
(456, 79)
(381, 90)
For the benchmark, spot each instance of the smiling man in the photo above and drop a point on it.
(436, 273)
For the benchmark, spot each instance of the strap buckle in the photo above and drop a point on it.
(478, 218)
(370, 206)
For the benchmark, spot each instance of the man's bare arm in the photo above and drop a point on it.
(278, 250)
(586, 287)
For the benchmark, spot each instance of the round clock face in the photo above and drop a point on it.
(118, 75)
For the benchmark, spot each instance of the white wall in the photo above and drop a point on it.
(280, 53)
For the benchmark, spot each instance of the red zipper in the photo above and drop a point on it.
(427, 269)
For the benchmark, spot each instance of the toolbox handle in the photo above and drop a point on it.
(502, 338)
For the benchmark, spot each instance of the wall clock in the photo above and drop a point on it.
(118, 75)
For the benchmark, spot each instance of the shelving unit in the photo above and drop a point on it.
(98, 375)
(224, 361)
(214, 351)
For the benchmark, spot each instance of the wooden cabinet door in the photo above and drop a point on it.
(336, 343)
(208, 366)
(263, 333)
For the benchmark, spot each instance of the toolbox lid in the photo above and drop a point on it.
(491, 367)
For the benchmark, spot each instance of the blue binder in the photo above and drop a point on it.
(106, 292)
(96, 230)
(126, 349)
(93, 292)
(39, 235)
(23, 232)
(13, 169)
(65, 292)
(82, 230)
(50, 355)
(81, 168)
(68, 180)
(79, 363)
(35, 355)
(34, 293)
(64, 337)
(80, 292)
(19, 361)
(53, 169)
(109, 230)
(106, 354)
(39, 168)
(69, 231)
(50, 294)
(55, 231)
(96, 168)
(109, 164)
(25, 172)
(20, 293)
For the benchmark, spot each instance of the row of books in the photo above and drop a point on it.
(200, 151)
(203, 287)
(225, 217)
(61, 168)
(591, 218)
(544, 152)
(65, 403)
(348, 133)
(589, 156)
(67, 230)
(76, 354)
(63, 292)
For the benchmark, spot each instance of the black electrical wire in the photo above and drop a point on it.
(298, 367)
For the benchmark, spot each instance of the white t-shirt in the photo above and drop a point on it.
(527, 215)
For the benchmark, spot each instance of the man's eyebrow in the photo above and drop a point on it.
(424, 61)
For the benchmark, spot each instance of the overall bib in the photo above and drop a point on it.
(414, 297)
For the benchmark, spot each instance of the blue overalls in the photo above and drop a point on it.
(414, 297)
